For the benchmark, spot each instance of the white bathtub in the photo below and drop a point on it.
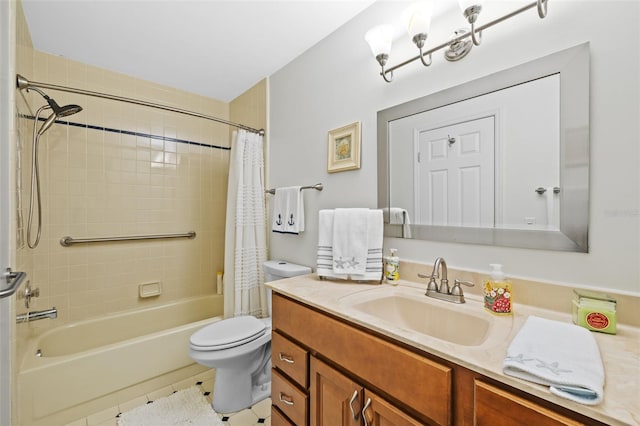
(96, 364)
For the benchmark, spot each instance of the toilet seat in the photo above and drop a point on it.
(227, 334)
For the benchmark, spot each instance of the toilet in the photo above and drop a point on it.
(239, 349)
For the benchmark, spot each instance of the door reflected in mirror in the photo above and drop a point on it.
(477, 163)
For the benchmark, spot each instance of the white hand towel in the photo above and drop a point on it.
(563, 356)
(350, 239)
(373, 269)
(398, 216)
(288, 210)
(295, 212)
(324, 261)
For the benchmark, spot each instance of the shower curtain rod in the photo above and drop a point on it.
(24, 83)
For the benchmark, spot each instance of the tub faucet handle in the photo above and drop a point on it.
(28, 294)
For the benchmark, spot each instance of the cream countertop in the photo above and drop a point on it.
(620, 353)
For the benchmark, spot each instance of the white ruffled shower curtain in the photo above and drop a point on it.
(245, 233)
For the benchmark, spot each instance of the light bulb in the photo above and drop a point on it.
(380, 39)
(417, 18)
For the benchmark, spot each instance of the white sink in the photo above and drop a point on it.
(408, 308)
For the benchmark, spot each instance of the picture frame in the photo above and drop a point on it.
(344, 148)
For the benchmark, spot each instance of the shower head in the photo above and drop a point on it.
(64, 110)
(58, 111)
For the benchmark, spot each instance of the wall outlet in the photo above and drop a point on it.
(530, 220)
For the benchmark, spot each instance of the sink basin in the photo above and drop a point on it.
(411, 310)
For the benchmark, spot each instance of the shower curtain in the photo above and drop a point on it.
(245, 232)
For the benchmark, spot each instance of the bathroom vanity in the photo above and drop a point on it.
(335, 364)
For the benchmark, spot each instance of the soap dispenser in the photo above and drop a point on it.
(392, 267)
(498, 295)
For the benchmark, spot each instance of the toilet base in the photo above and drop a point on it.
(234, 392)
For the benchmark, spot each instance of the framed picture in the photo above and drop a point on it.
(344, 148)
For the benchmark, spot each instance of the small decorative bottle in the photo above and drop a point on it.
(392, 267)
(497, 292)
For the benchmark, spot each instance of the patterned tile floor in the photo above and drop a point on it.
(258, 415)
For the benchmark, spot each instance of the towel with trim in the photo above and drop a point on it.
(563, 356)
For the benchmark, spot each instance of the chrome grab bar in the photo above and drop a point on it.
(14, 279)
(317, 187)
(68, 241)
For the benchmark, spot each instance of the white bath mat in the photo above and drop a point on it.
(185, 407)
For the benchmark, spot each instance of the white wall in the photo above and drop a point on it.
(337, 82)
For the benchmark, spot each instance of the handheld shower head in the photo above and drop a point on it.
(47, 123)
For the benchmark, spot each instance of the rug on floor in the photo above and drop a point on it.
(185, 407)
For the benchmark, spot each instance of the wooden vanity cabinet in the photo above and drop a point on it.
(330, 370)
(336, 400)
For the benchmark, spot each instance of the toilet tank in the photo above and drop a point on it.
(279, 269)
(275, 270)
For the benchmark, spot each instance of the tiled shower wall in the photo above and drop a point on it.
(100, 183)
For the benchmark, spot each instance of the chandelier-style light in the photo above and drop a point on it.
(417, 19)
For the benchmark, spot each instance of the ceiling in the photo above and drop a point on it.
(214, 48)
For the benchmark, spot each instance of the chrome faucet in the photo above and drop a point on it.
(442, 291)
(37, 315)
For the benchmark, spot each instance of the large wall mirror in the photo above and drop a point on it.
(502, 160)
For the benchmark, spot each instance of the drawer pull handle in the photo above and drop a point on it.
(286, 399)
(364, 413)
(286, 358)
(354, 413)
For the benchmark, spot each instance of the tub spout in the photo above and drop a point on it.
(37, 315)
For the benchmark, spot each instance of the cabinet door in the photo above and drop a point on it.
(497, 407)
(379, 412)
(335, 399)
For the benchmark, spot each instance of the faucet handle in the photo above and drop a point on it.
(28, 294)
(456, 290)
(432, 285)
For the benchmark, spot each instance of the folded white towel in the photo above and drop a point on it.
(350, 238)
(398, 216)
(563, 356)
(373, 268)
(288, 210)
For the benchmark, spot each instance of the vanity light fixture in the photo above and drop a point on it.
(380, 39)
(417, 19)
(471, 9)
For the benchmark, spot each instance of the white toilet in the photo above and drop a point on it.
(239, 349)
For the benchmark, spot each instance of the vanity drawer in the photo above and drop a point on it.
(497, 407)
(290, 358)
(293, 402)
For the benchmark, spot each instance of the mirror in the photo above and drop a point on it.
(502, 160)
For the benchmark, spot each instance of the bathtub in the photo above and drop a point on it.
(92, 365)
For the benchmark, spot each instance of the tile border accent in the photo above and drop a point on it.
(129, 132)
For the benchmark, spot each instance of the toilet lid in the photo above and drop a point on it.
(228, 333)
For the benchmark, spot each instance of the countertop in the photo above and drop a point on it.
(620, 353)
